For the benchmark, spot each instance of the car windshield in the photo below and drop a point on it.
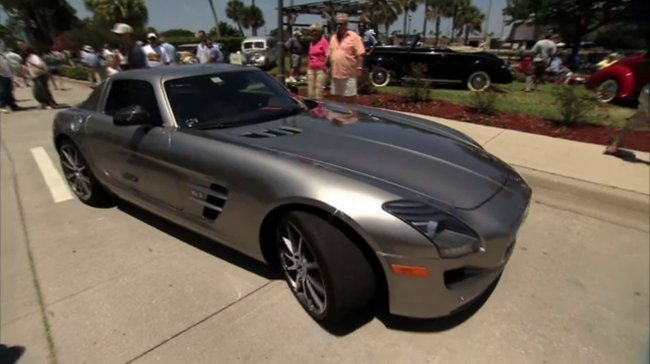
(229, 99)
(256, 45)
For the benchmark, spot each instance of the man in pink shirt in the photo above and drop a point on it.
(318, 49)
(346, 54)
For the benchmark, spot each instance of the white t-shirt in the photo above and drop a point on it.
(202, 53)
(36, 66)
(156, 55)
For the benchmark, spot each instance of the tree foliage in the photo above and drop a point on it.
(573, 19)
(253, 19)
(109, 12)
(177, 33)
(225, 29)
(39, 20)
(235, 11)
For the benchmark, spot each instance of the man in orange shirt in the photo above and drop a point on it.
(346, 54)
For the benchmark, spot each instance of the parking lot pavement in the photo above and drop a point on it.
(119, 285)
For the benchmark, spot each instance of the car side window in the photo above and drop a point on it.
(126, 93)
(92, 101)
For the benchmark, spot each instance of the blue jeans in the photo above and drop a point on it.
(7, 92)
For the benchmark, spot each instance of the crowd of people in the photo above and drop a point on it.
(27, 65)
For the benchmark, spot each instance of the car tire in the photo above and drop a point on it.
(478, 81)
(80, 178)
(607, 90)
(379, 76)
(326, 271)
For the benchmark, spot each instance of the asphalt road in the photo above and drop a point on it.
(117, 285)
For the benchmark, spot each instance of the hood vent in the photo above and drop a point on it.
(270, 133)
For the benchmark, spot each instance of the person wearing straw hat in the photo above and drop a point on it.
(135, 56)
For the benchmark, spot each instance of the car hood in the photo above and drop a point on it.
(421, 156)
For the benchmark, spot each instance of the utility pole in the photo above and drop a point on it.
(487, 19)
(216, 20)
(280, 43)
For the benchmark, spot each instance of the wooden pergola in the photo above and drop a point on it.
(326, 10)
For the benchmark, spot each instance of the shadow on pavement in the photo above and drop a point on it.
(10, 354)
(200, 242)
(628, 156)
(379, 310)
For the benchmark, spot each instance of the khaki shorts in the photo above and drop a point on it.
(344, 86)
(315, 83)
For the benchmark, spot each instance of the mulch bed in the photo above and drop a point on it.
(589, 133)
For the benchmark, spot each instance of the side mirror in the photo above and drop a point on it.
(132, 115)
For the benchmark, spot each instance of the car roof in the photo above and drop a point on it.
(154, 75)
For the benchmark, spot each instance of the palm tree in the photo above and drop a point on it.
(252, 18)
(454, 10)
(381, 12)
(435, 10)
(470, 20)
(216, 20)
(108, 12)
(403, 7)
(255, 18)
(234, 11)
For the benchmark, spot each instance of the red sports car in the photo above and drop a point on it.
(623, 79)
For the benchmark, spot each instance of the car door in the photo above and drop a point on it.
(445, 66)
(134, 157)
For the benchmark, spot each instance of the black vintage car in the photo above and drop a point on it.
(453, 65)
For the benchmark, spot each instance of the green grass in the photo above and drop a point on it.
(540, 103)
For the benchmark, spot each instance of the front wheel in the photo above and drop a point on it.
(607, 90)
(325, 270)
(379, 76)
(80, 178)
(478, 81)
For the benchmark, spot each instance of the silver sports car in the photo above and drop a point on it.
(346, 201)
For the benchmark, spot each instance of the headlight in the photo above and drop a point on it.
(451, 236)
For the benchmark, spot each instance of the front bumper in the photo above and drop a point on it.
(454, 283)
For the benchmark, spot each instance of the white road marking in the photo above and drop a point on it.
(55, 182)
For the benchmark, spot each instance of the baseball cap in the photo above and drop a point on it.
(151, 35)
(121, 28)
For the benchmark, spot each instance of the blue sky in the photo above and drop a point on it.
(195, 14)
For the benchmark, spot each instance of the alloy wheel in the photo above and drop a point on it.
(76, 171)
(302, 270)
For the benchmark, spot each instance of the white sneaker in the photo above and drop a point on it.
(5, 110)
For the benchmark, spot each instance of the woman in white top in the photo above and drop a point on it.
(38, 71)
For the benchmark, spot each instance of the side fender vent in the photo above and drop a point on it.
(213, 199)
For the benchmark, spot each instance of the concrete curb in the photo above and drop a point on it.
(605, 203)
(578, 188)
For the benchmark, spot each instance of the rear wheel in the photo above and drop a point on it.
(80, 178)
(607, 90)
(379, 76)
(478, 81)
(324, 269)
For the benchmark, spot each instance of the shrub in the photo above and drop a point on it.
(573, 106)
(417, 88)
(75, 72)
(484, 102)
(364, 86)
